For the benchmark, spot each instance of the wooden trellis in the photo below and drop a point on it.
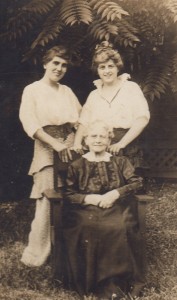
(161, 157)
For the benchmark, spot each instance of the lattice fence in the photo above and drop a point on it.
(161, 156)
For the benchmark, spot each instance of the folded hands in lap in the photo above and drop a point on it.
(104, 201)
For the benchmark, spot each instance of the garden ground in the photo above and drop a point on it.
(18, 282)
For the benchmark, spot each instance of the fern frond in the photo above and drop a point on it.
(127, 34)
(173, 82)
(75, 11)
(158, 77)
(175, 63)
(51, 29)
(101, 29)
(171, 6)
(27, 17)
(39, 6)
(108, 10)
(19, 25)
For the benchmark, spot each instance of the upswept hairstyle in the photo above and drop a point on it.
(102, 124)
(104, 52)
(59, 51)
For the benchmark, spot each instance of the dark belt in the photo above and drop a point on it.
(118, 134)
(58, 131)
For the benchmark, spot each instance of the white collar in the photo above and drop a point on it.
(90, 156)
(99, 83)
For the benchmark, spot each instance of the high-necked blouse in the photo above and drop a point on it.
(89, 177)
(128, 105)
(42, 105)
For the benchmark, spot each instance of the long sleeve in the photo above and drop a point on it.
(41, 106)
(139, 104)
(27, 113)
(72, 192)
(133, 182)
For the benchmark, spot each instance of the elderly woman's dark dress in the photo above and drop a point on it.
(98, 243)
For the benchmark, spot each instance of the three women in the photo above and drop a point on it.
(97, 211)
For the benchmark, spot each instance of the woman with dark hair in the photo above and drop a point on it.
(117, 101)
(49, 112)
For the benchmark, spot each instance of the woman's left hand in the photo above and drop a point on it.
(65, 155)
(78, 149)
(115, 148)
(108, 199)
(105, 202)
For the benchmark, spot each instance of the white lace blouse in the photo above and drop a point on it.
(128, 105)
(42, 105)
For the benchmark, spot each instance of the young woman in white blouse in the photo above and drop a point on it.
(48, 112)
(117, 101)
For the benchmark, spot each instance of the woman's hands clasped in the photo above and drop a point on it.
(108, 199)
(103, 201)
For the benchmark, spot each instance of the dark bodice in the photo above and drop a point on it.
(85, 177)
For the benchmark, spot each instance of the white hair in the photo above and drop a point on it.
(102, 124)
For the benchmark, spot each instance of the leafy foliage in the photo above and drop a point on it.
(101, 29)
(50, 31)
(158, 77)
(75, 11)
(108, 10)
(145, 33)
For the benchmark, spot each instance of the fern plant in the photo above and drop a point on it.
(144, 31)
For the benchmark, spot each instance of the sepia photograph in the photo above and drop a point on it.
(88, 139)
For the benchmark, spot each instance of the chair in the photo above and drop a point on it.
(56, 196)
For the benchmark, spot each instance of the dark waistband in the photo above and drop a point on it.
(56, 131)
(121, 129)
(118, 134)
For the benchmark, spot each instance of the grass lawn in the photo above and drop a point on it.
(18, 282)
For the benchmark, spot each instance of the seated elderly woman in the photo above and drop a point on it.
(101, 237)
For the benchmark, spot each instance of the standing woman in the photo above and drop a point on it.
(48, 112)
(118, 102)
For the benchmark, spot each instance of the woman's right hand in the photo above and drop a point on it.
(93, 199)
(109, 198)
(78, 149)
(57, 146)
(64, 153)
(115, 148)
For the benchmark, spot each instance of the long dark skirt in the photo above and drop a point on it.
(99, 245)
